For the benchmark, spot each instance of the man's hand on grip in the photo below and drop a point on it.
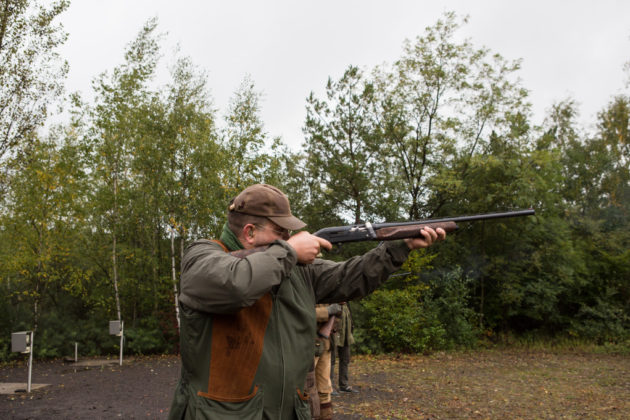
(334, 309)
(307, 246)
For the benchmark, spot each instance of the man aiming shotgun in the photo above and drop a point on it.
(247, 321)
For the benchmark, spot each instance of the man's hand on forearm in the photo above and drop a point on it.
(429, 236)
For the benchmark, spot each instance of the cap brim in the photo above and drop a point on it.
(287, 222)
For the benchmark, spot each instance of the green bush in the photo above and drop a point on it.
(449, 296)
(56, 337)
(147, 338)
(5, 348)
(434, 315)
(602, 322)
(398, 321)
(57, 332)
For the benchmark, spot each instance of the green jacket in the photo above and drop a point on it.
(343, 333)
(247, 324)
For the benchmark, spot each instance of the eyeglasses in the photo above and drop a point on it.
(283, 233)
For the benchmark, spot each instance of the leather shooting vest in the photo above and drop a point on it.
(237, 346)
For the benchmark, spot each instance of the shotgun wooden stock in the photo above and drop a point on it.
(326, 329)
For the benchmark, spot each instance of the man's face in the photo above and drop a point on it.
(269, 232)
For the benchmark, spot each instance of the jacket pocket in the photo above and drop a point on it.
(252, 409)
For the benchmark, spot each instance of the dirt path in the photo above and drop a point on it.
(141, 388)
(484, 385)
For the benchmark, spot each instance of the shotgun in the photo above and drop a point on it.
(401, 230)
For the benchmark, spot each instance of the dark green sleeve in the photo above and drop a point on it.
(214, 281)
(356, 277)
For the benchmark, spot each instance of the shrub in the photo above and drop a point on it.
(603, 322)
(398, 321)
(147, 338)
(434, 315)
(449, 296)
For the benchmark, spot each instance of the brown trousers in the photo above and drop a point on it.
(322, 374)
(319, 386)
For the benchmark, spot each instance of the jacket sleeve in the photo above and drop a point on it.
(217, 282)
(356, 277)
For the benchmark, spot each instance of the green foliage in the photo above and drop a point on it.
(433, 315)
(94, 216)
(397, 321)
(438, 105)
(343, 152)
(31, 71)
(244, 140)
(146, 338)
(450, 299)
(604, 321)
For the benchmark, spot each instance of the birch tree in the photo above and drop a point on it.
(31, 73)
(119, 97)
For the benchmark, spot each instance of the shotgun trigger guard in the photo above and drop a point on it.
(370, 230)
(336, 249)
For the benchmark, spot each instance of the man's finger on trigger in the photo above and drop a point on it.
(324, 243)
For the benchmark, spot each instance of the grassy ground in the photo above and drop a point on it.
(490, 384)
(481, 384)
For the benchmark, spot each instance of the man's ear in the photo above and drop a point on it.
(248, 233)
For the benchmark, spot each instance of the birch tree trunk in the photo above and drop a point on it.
(114, 256)
(174, 276)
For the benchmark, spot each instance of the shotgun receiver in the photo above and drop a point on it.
(401, 230)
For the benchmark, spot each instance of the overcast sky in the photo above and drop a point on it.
(290, 47)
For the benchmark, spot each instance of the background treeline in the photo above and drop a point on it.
(95, 212)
